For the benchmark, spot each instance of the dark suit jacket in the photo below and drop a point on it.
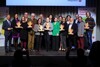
(5, 26)
(75, 28)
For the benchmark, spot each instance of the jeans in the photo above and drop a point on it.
(89, 38)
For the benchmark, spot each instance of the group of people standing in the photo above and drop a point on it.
(58, 33)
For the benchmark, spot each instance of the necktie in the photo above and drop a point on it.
(9, 23)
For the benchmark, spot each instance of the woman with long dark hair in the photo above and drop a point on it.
(15, 33)
(24, 34)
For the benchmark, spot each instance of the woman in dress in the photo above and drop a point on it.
(15, 33)
(24, 34)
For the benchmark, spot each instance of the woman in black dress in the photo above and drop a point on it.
(24, 34)
(15, 33)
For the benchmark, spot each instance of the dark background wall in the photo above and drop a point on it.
(45, 10)
(54, 10)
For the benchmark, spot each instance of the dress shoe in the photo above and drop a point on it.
(6, 51)
(10, 50)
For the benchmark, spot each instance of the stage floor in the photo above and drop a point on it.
(41, 58)
(41, 53)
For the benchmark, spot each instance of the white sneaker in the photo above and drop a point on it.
(59, 48)
(88, 51)
(73, 47)
(24, 49)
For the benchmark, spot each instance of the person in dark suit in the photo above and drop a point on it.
(76, 18)
(72, 34)
(8, 30)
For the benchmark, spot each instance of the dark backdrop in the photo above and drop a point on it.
(52, 10)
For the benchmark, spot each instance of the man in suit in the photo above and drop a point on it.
(8, 30)
(76, 18)
(72, 34)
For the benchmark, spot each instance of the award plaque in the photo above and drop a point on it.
(40, 28)
(61, 27)
(18, 25)
(29, 24)
(86, 26)
(70, 31)
(47, 26)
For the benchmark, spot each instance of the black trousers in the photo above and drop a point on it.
(72, 41)
(8, 43)
(38, 41)
(47, 40)
(55, 43)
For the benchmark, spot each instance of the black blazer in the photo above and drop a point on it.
(5, 26)
(64, 33)
(75, 28)
(13, 24)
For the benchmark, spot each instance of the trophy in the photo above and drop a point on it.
(40, 28)
(86, 26)
(47, 26)
(61, 27)
(29, 24)
(70, 31)
(18, 24)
